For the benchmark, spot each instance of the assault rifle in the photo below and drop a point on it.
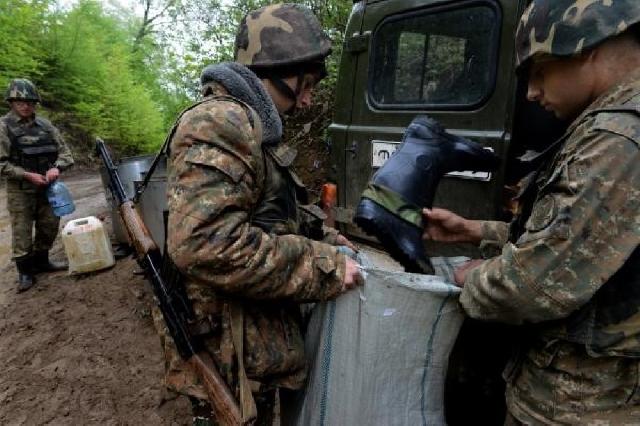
(176, 309)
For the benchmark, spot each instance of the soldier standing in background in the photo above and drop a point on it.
(235, 215)
(569, 264)
(32, 155)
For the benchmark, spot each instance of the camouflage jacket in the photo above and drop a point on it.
(34, 130)
(225, 194)
(574, 274)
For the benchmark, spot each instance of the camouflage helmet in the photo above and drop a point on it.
(569, 27)
(21, 89)
(280, 35)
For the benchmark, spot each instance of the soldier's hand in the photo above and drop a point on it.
(52, 174)
(35, 178)
(460, 274)
(352, 275)
(341, 240)
(446, 226)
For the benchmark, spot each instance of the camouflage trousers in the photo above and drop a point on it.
(26, 208)
(180, 378)
(558, 382)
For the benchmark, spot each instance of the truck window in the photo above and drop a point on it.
(438, 58)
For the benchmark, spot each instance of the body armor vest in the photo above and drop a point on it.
(615, 306)
(32, 147)
(277, 210)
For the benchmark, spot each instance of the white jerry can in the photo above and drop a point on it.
(87, 245)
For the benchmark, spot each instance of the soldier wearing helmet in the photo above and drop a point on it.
(567, 268)
(32, 155)
(237, 215)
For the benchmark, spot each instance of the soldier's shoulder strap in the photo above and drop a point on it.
(607, 118)
(43, 122)
(622, 120)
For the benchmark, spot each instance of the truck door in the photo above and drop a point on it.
(451, 60)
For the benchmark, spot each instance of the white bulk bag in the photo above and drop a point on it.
(378, 355)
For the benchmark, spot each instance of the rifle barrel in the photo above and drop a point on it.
(226, 408)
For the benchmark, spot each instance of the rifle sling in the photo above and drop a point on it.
(247, 403)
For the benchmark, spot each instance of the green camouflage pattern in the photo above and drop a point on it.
(21, 89)
(561, 383)
(34, 129)
(494, 236)
(27, 208)
(217, 181)
(568, 27)
(395, 203)
(27, 204)
(574, 274)
(280, 34)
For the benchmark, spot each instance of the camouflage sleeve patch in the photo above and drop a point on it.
(584, 226)
(225, 125)
(211, 156)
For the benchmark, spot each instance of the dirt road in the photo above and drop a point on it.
(80, 350)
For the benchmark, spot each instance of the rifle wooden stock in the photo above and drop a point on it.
(137, 230)
(223, 403)
(174, 306)
(226, 410)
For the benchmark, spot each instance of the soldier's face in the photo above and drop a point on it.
(563, 86)
(306, 93)
(24, 109)
(288, 106)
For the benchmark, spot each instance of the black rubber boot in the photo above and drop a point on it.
(26, 279)
(42, 263)
(391, 207)
(202, 414)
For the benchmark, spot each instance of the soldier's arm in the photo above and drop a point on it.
(495, 235)
(579, 234)
(65, 159)
(214, 187)
(7, 168)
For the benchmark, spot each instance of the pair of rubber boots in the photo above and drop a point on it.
(391, 207)
(30, 265)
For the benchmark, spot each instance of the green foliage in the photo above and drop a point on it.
(92, 50)
(22, 33)
(90, 79)
(109, 73)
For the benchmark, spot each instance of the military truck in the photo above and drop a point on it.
(453, 60)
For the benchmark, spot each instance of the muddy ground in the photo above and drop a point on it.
(80, 350)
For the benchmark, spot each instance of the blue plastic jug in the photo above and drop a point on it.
(60, 199)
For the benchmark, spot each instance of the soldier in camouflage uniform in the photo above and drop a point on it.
(568, 268)
(235, 212)
(32, 155)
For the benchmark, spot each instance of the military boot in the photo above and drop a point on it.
(202, 414)
(391, 206)
(26, 279)
(42, 263)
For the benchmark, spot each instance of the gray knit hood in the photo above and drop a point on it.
(243, 84)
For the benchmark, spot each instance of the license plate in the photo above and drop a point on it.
(383, 150)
